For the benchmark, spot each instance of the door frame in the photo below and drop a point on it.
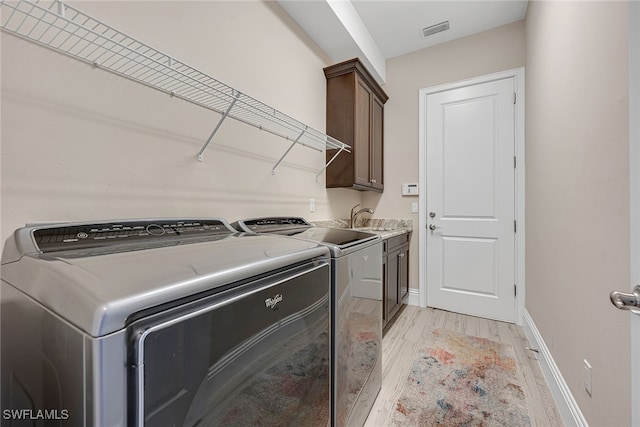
(518, 75)
(634, 196)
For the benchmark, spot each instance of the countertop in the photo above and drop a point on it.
(386, 234)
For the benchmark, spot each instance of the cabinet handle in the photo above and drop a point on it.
(373, 181)
(401, 255)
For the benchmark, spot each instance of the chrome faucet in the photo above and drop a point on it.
(354, 214)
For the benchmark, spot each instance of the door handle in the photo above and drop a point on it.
(627, 301)
(433, 227)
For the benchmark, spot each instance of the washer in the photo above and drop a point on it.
(356, 263)
(164, 322)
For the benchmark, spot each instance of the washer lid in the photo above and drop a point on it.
(298, 227)
(97, 289)
(333, 236)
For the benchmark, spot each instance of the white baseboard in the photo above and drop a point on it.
(567, 405)
(414, 297)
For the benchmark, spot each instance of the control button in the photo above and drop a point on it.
(82, 235)
(155, 229)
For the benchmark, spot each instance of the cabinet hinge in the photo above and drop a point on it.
(515, 290)
(515, 162)
(515, 226)
(515, 97)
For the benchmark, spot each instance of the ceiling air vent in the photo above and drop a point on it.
(443, 26)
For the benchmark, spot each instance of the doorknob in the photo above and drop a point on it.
(433, 227)
(627, 301)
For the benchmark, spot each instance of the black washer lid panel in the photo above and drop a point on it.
(62, 237)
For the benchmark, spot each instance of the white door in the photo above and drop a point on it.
(470, 201)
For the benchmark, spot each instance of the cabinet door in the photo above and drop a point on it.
(392, 295)
(385, 285)
(403, 274)
(376, 173)
(362, 135)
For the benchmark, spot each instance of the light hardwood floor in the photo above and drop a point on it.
(405, 334)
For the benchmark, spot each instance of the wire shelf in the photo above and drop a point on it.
(67, 30)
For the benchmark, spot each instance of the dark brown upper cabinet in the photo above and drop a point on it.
(355, 116)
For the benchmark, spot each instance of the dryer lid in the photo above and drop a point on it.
(98, 288)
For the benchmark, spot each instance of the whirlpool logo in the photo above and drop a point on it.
(272, 302)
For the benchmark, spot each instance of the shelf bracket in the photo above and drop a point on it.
(236, 95)
(273, 171)
(61, 9)
(329, 162)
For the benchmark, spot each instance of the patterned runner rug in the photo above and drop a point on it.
(460, 380)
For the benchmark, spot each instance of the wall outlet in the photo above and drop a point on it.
(414, 208)
(312, 205)
(587, 377)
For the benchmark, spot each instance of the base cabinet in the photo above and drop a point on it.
(395, 275)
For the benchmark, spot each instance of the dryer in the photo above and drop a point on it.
(164, 322)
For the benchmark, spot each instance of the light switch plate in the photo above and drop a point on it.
(414, 207)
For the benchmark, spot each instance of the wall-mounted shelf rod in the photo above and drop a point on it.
(67, 30)
(213, 133)
(273, 171)
(329, 162)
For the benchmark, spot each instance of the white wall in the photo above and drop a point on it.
(79, 143)
(495, 50)
(577, 205)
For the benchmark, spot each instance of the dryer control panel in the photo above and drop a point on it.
(86, 235)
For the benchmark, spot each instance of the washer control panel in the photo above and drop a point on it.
(266, 225)
(86, 235)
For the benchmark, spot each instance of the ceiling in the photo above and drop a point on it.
(377, 30)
